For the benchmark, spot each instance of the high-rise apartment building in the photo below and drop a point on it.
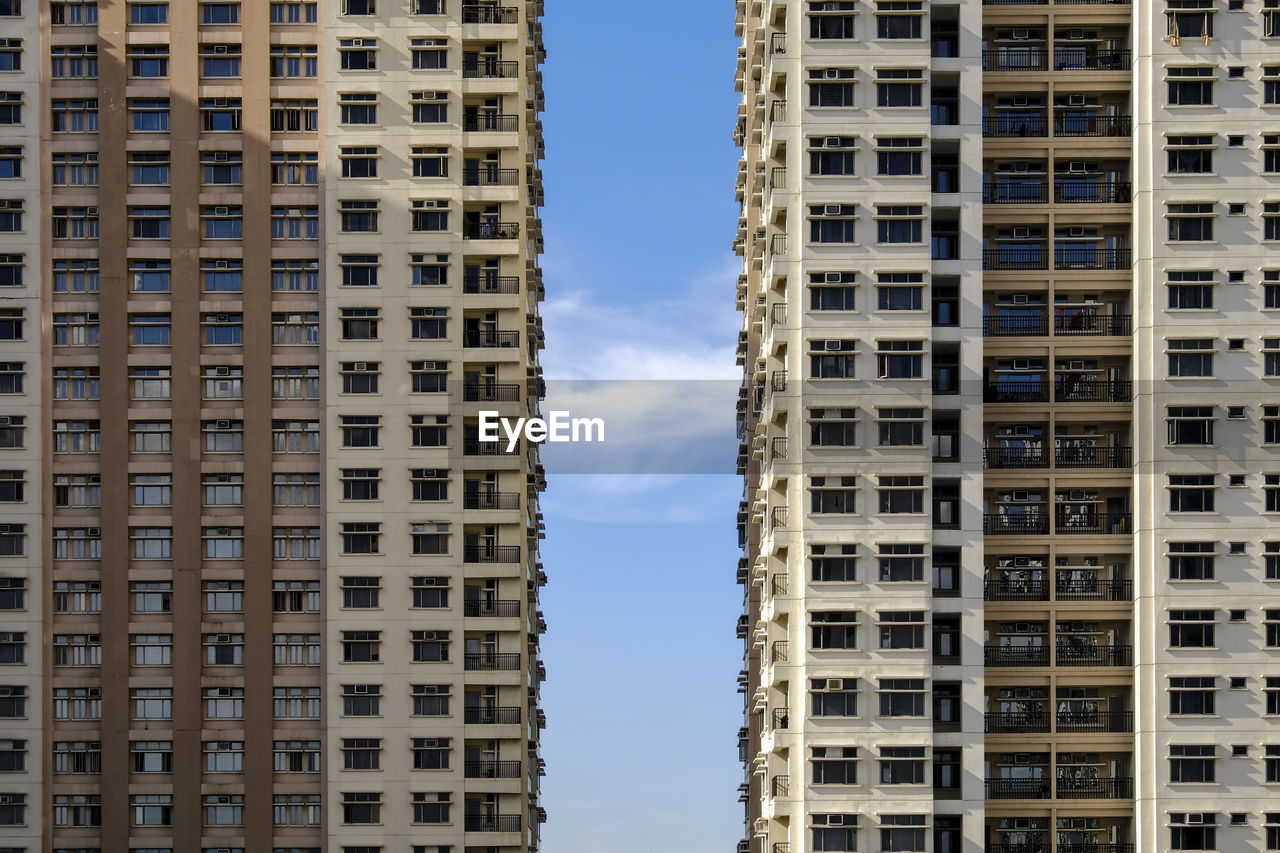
(1010, 425)
(262, 263)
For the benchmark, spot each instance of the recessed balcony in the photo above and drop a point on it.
(490, 338)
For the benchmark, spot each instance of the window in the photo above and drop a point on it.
(834, 765)
(296, 756)
(223, 596)
(428, 539)
(357, 54)
(429, 646)
(902, 765)
(70, 703)
(361, 808)
(831, 87)
(11, 55)
(900, 427)
(295, 596)
(295, 329)
(831, 20)
(358, 216)
(296, 809)
(293, 12)
(430, 592)
(433, 162)
(13, 758)
(1191, 695)
(428, 323)
(295, 223)
(901, 563)
(151, 490)
(1191, 560)
(900, 494)
(1191, 493)
(293, 61)
(219, 60)
(223, 383)
(901, 629)
(834, 697)
(295, 276)
(221, 276)
(224, 649)
(77, 543)
(221, 222)
(832, 155)
(295, 383)
(899, 19)
(1190, 86)
(902, 833)
(294, 116)
(361, 592)
(146, 12)
(10, 108)
(1190, 357)
(832, 359)
(360, 537)
(429, 484)
(73, 62)
(11, 162)
(11, 268)
(72, 223)
(1190, 154)
(1190, 222)
(11, 211)
(296, 543)
(1190, 290)
(151, 649)
(1190, 425)
(150, 61)
(361, 162)
(361, 753)
(1271, 627)
(1193, 831)
(1271, 220)
(430, 753)
(13, 648)
(899, 155)
(832, 223)
(152, 597)
(429, 430)
(900, 359)
(13, 593)
(431, 808)
(358, 108)
(361, 646)
(430, 700)
(429, 54)
(899, 87)
(1192, 628)
(223, 543)
(293, 168)
(833, 427)
(73, 809)
(834, 629)
(12, 374)
(223, 756)
(361, 700)
(359, 430)
(69, 330)
(832, 291)
(429, 215)
(220, 115)
(429, 107)
(149, 276)
(223, 810)
(13, 431)
(833, 495)
(296, 649)
(296, 703)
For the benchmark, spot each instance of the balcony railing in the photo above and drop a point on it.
(780, 786)
(1031, 257)
(1066, 589)
(781, 583)
(485, 448)
(1026, 124)
(1093, 457)
(491, 661)
(496, 122)
(1090, 59)
(778, 43)
(492, 392)
(492, 716)
(1016, 392)
(1021, 192)
(1030, 846)
(778, 111)
(778, 381)
(781, 717)
(1071, 522)
(491, 554)
(490, 68)
(490, 230)
(482, 14)
(1092, 654)
(1104, 125)
(1000, 722)
(1000, 589)
(1092, 192)
(994, 655)
(1016, 59)
(1092, 323)
(782, 847)
(485, 499)
(490, 338)
(996, 524)
(1081, 257)
(492, 823)
(1019, 789)
(1018, 326)
(1100, 788)
(1095, 721)
(1033, 124)
(501, 608)
(781, 651)
(1014, 457)
(491, 284)
(492, 769)
(1085, 390)
(490, 177)
(778, 517)
(1095, 847)
(778, 244)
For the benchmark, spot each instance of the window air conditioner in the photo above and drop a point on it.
(222, 424)
(1022, 364)
(219, 48)
(1021, 232)
(1020, 100)
(1020, 166)
(1075, 100)
(1021, 35)
(1077, 166)
(1020, 299)
(359, 366)
(833, 278)
(833, 142)
(1075, 231)
(831, 209)
(1021, 496)
(220, 156)
(221, 265)
(221, 211)
(94, 531)
(222, 371)
(1075, 34)
(223, 638)
(357, 42)
(1022, 429)
(832, 73)
(831, 346)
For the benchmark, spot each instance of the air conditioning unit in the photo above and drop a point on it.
(1021, 35)
(833, 142)
(224, 531)
(831, 209)
(1022, 758)
(95, 479)
(221, 318)
(221, 211)
(1019, 299)
(222, 424)
(1020, 100)
(91, 158)
(1195, 817)
(357, 42)
(220, 156)
(222, 371)
(1077, 166)
(1022, 364)
(1075, 231)
(1020, 166)
(220, 102)
(224, 801)
(223, 691)
(1076, 495)
(5, 421)
(1022, 429)
(94, 531)
(1075, 100)
(1021, 232)
(833, 278)
(832, 73)
(221, 265)
(219, 48)
(1020, 496)
(831, 346)
(1021, 561)
(359, 366)
(223, 638)
(835, 684)
(7, 528)
(91, 211)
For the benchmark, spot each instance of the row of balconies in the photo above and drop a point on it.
(1067, 521)
(1032, 322)
(1062, 788)
(1069, 651)
(1063, 722)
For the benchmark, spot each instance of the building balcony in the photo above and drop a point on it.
(1022, 59)
(491, 716)
(490, 338)
(490, 230)
(1095, 788)
(1038, 722)
(491, 661)
(484, 14)
(491, 122)
(492, 769)
(1070, 651)
(1082, 389)
(491, 823)
(491, 284)
(781, 651)
(1070, 588)
(1067, 523)
(487, 177)
(1015, 723)
(491, 553)
(485, 499)
(1036, 124)
(1083, 722)
(492, 392)
(498, 608)
(1018, 789)
(1035, 256)
(1015, 458)
(1064, 192)
(490, 69)
(781, 718)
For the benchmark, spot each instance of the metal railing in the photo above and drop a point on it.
(994, 655)
(490, 338)
(1115, 125)
(778, 43)
(1019, 326)
(778, 516)
(490, 177)
(781, 583)
(1016, 392)
(778, 314)
(497, 607)
(778, 111)
(485, 448)
(496, 122)
(491, 661)
(491, 554)
(1102, 589)
(780, 786)
(781, 717)
(492, 823)
(490, 68)
(491, 769)
(1090, 59)
(1093, 323)
(1016, 59)
(1023, 124)
(1019, 789)
(1014, 722)
(1014, 457)
(492, 716)
(1093, 457)
(1021, 192)
(492, 392)
(490, 230)
(1084, 390)
(491, 284)
(1092, 192)
(778, 178)
(1000, 589)
(778, 447)
(1091, 258)
(490, 500)
(484, 14)
(1092, 654)
(781, 651)
(1086, 521)
(778, 381)
(1069, 588)
(1095, 721)
(1099, 788)
(778, 244)
(1027, 257)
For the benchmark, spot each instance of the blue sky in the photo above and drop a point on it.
(641, 653)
